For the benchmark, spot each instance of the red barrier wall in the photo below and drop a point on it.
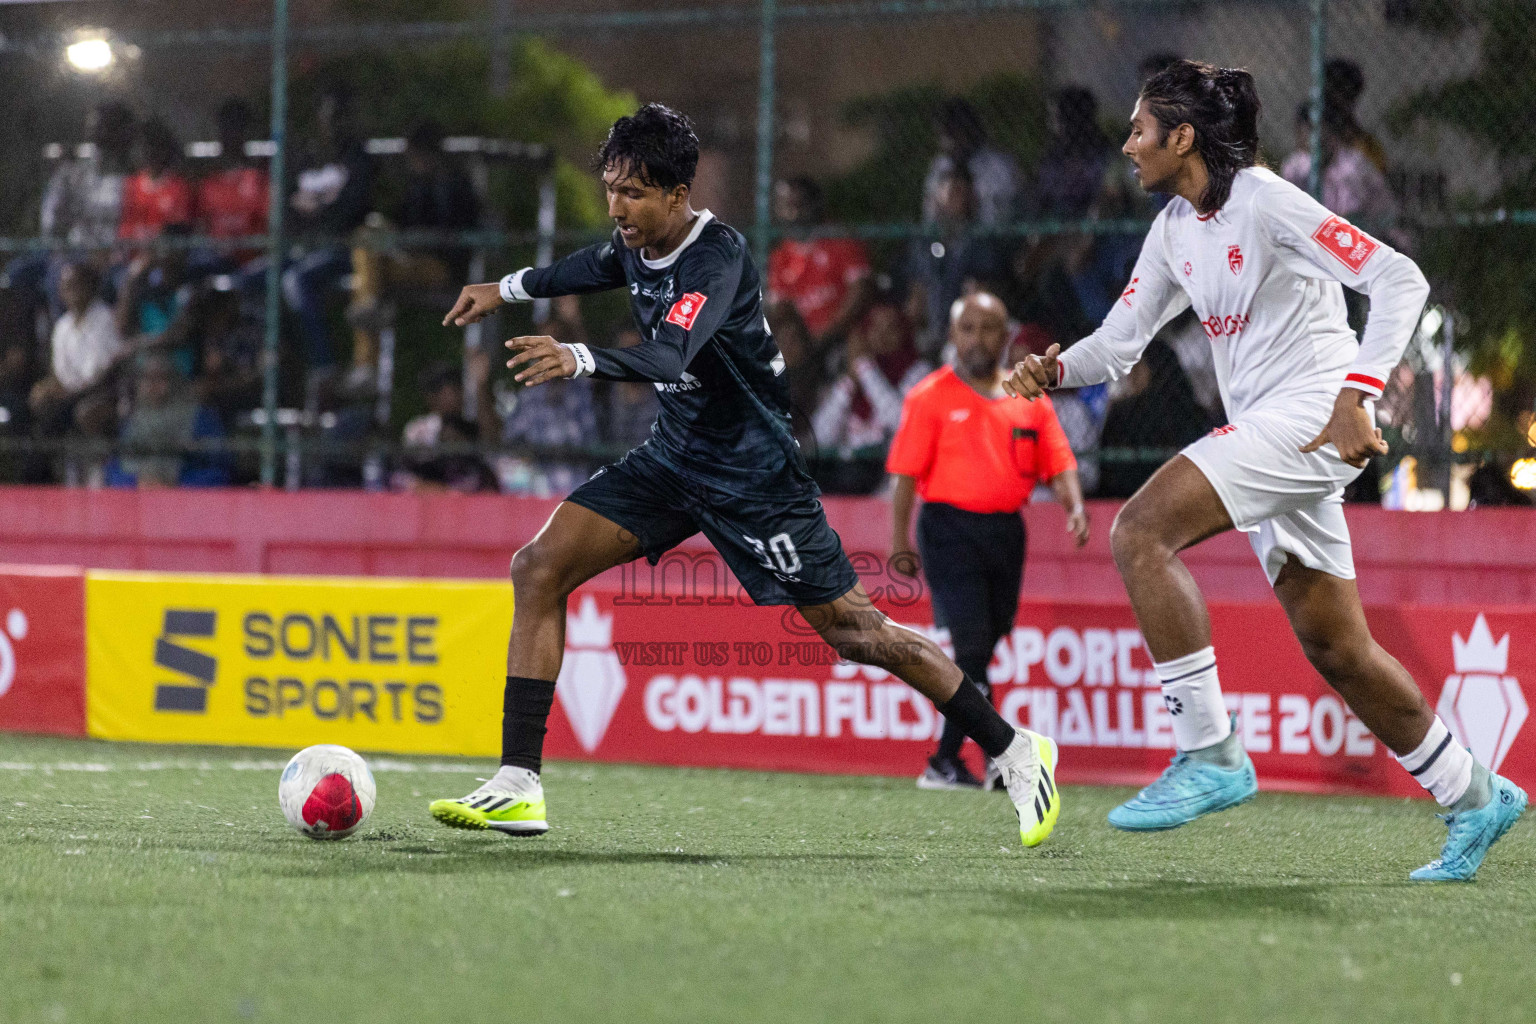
(1482, 557)
(745, 687)
(42, 649)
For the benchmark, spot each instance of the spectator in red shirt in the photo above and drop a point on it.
(973, 455)
(157, 194)
(232, 199)
(826, 279)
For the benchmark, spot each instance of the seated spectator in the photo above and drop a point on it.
(952, 263)
(1156, 410)
(83, 202)
(1343, 84)
(1068, 185)
(862, 407)
(963, 144)
(1353, 185)
(827, 279)
(82, 205)
(86, 349)
(444, 423)
(629, 407)
(160, 434)
(228, 346)
(804, 370)
(563, 416)
(157, 194)
(335, 190)
(439, 196)
(153, 298)
(232, 200)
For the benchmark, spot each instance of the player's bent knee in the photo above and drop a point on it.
(1132, 539)
(1337, 660)
(883, 646)
(536, 575)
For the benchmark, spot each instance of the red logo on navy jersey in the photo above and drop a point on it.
(1346, 243)
(686, 309)
(1235, 259)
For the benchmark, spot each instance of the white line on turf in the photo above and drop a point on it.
(380, 765)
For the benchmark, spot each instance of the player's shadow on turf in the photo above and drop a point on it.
(513, 855)
(1162, 900)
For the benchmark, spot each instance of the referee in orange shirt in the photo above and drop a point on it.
(973, 455)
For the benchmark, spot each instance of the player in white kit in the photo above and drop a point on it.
(1262, 263)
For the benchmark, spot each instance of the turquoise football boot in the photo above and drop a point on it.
(1473, 833)
(1187, 789)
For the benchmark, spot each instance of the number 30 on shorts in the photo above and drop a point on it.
(783, 552)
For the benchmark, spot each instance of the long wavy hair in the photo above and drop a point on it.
(1222, 106)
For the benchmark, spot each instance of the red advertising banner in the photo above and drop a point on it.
(722, 683)
(42, 649)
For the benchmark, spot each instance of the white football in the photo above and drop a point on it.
(326, 791)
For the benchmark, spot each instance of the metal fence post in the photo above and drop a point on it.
(766, 92)
(275, 206)
(1319, 57)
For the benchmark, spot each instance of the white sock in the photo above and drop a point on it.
(1193, 696)
(512, 779)
(1440, 764)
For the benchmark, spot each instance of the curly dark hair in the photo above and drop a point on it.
(1222, 106)
(655, 145)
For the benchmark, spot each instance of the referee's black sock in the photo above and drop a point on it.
(953, 737)
(525, 709)
(977, 718)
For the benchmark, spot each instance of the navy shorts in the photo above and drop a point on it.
(783, 552)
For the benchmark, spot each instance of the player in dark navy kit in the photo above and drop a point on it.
(721, 459)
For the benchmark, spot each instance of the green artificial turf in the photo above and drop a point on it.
(144, 883)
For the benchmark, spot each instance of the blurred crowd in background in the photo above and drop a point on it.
(126, 332)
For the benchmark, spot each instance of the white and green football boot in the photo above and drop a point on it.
(1028, 770)
(512, 805)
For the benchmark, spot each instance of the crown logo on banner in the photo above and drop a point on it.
(591, 678)
(1478, 652)
(590, 628)
(1483, 707)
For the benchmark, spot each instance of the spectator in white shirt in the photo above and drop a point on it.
(87, 348)
(963, 143)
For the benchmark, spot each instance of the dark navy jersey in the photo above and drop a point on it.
(725, 417)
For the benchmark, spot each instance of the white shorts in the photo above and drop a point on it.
(1287, 502)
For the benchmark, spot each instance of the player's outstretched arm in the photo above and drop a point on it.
(1150, 300)
(476, 302)
(593, 269)
(1034, 375)
(540, 358)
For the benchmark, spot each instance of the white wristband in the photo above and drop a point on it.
(585, 364)
(512, 288)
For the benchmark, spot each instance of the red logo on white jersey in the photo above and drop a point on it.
(1125, 296)
(1235, 259)
(1189, 268)
(1346, 243)
(1225, 326)
(685, 309)
(1223, 431)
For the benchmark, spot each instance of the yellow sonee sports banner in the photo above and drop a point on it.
(409, 666)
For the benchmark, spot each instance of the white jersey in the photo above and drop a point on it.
(1263, 274)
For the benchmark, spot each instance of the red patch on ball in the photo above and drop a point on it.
(334, 802)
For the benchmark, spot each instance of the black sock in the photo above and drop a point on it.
(953, 736)
(525, 708)
(975, 716)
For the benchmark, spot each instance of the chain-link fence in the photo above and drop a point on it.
(884, 156)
